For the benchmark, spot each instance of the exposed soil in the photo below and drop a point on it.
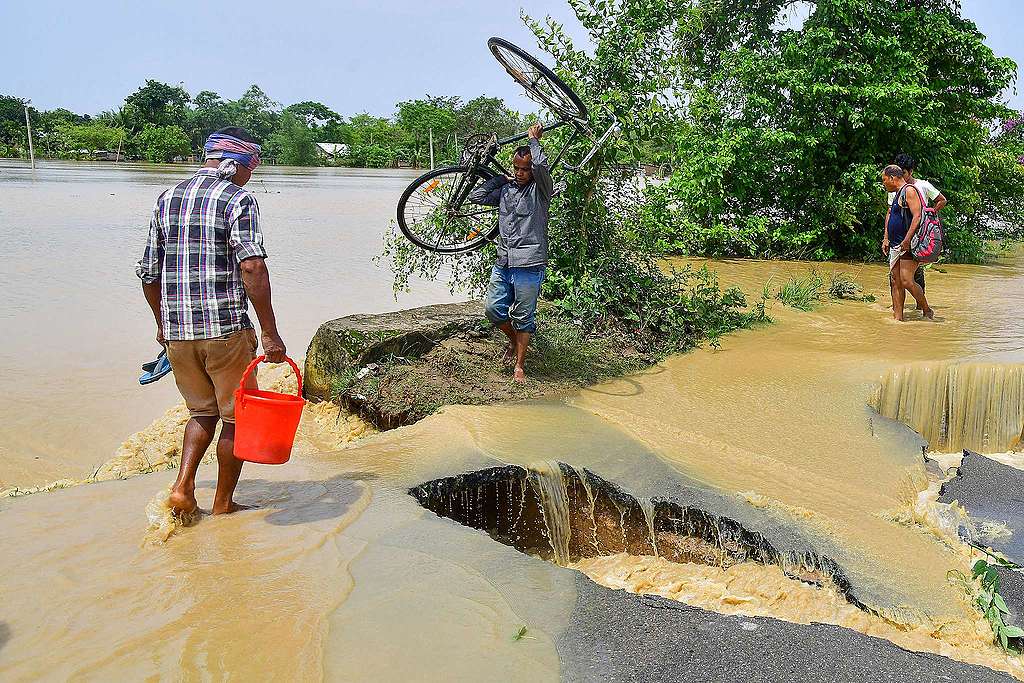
(469, 369)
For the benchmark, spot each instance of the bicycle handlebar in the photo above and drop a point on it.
(523, 136)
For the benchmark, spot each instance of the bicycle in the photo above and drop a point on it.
(433, 212)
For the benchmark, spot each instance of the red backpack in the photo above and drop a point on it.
(926, 244)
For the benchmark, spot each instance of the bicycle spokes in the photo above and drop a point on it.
(438, 214)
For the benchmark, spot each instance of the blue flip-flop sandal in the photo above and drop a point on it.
(154, 370)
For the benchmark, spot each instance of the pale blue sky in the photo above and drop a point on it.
(353, 55)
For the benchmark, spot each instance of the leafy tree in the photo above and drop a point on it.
(158, 104)
(88, 137)
(419, 118)
(12, 122)
(161, 144)
(374, 141)
(487, 115)
(210, 113)
(321, 119)
(255, 112)
(293, 143)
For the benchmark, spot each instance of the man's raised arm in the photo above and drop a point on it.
(541, 172)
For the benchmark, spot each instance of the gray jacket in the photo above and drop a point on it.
(522, 213)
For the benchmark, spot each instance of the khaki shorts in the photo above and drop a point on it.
(207, 372)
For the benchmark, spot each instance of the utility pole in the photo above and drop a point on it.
(431, 149)
(28, 127)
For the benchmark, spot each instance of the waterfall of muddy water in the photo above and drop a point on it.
(340, 574)
(979, 406)
(647, 506)
(549, 485)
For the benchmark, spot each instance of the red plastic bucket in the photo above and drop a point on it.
(265, 421)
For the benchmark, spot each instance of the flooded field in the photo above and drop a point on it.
(341, 574)
(76, 327)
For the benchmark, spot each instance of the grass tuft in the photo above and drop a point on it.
(802, 293)
(805, 292)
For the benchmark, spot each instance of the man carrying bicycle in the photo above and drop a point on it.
(523, 201)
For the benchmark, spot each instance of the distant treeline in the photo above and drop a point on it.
(161, 123)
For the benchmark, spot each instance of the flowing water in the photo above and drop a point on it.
(340, 574)
(76, 328)
(956, 405)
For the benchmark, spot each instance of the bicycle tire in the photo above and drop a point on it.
(478, 230)
(568, 106)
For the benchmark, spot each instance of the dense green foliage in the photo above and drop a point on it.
(161, 144)
(780, 128)
(151, 121)
(293, 143)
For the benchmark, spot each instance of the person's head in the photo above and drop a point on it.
(907, 163)
(234, 152)
(892, 177)
(522, 165)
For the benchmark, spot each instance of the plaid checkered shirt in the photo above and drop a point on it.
(201, 229)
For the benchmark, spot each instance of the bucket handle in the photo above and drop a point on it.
(259, 359)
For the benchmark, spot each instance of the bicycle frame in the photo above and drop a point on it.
(577, 129)
(491, 163)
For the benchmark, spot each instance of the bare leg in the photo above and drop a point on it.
(229, 468)
(510, 352)
(907, 270)
(522, 342)
(899, 295)
(919, 279)
(198, 436)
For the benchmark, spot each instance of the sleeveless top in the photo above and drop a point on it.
(900, 217)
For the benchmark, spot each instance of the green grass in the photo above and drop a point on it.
(802, 293)
(806, 292)
(564, 352)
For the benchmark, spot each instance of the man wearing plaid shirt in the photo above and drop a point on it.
(203, 263)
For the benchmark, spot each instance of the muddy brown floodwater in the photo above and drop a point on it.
(75, 325)
(340, 574)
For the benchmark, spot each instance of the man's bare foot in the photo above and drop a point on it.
(182, 503)
(233, 507)
(519, 375)
(929, 313)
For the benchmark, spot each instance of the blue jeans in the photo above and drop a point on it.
(512, 295)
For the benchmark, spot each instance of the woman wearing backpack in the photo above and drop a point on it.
(932, 196)
(901, 223)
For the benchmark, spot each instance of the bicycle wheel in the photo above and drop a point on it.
(540, 82)
(434, 214)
